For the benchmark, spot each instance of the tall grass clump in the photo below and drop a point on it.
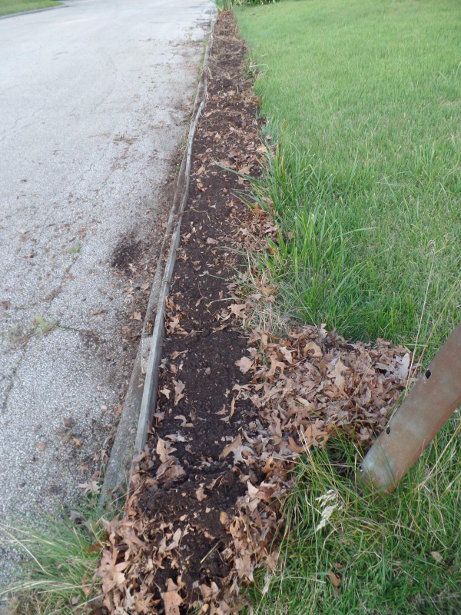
(57, 565)
(332, 265)
(365, 188)
(347, 552)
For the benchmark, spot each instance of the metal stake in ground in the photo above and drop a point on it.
(430, 404)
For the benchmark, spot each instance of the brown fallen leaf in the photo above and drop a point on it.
(244, 364)
(238, 450)
(174, 544)
(166, 392)
(179, 387)
(313, 348)
(238, 309)
(244, 567)
(90, 486)
(231, 447)
(164, 450)
(275, 365)
(176, 437)
(137, 316)
(173, 324)
(171, 598)
(177, 353)
(159, 416)
(170, 471)
(232, 408)
(338, 374)
(287, 354)
(224, 518)
(437, 556)
(335, 580)
(110, 572)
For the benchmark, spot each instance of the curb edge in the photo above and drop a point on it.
(131, 435)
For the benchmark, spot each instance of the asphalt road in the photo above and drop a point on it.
(94, 99)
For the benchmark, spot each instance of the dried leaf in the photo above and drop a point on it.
(166, 392)
(163, 450)
(240, 452)
(437, 556)
(224, 518)
(334, 578)
(312, 347)
(171, 598)
(179, 387)
(337, 373)
(244, 364)
(238, 309)
(170, 471)
(244, 567)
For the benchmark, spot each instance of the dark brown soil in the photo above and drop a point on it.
(201, 350)
(126, 253)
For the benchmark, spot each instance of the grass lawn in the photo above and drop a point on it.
(368, 94)
(365, 98)
(18, 6)
(387, 555)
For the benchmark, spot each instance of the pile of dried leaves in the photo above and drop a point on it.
(233, 412)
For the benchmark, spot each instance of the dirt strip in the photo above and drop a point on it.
(234, 410)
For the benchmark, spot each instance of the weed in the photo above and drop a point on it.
(44, 325)
(74, 249)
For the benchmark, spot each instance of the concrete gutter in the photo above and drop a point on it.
(141, 396)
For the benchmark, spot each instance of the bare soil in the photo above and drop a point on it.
(201, 350)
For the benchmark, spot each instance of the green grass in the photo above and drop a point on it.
(395, 554)
(365, 189)
(58, 564)
(364, 98)
(19, 6)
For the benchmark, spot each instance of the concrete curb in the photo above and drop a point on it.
(140, 399)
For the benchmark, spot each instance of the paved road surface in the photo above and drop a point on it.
(93, 102)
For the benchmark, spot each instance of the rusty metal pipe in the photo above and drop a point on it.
(432, 401)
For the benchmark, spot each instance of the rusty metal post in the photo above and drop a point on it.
(432, 401)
